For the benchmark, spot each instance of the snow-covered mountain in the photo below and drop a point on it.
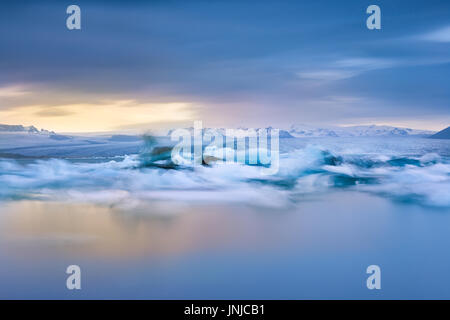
(356, 131)
(300, 131)
(17, 141)
(222, 131)
(308, 131)
(6, 128)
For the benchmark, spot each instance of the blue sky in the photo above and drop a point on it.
(228, 63)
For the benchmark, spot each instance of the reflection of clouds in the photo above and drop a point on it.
(100, 231)
(42, 230)
(55, 239)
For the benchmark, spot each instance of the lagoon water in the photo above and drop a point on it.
(335, 207)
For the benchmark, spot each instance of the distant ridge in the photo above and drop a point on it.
(302, 130)
(222, 131)
(23, 129)
(444, 134)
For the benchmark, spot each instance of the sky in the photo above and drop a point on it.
(138, 65)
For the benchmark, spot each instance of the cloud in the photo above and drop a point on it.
(346, 69)
(98, 116)
(365, 64)
(12, 91)
(53, 112)
(327, 75)
(237, 63)
(440, 35)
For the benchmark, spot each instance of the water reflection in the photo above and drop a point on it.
(103, 231)
(318, 249)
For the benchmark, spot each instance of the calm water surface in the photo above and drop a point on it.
(319, 249)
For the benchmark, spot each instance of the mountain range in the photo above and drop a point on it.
(356, 131)
(22, 129)
(295, 131)
(307, 131)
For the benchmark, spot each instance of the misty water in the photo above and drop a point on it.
(136, 230)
